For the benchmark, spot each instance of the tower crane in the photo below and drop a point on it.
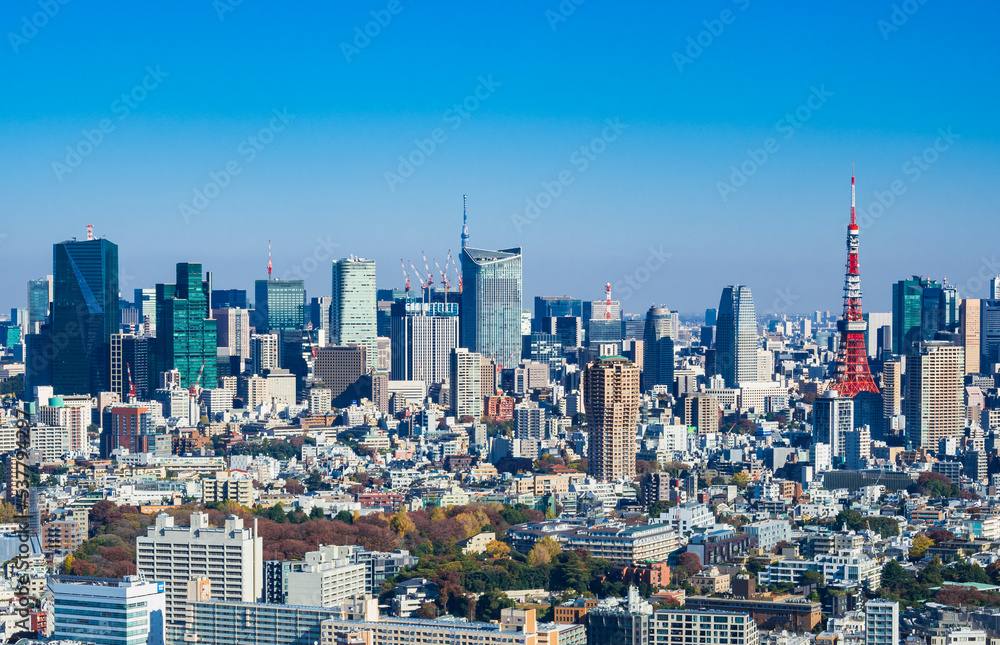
(406, 278)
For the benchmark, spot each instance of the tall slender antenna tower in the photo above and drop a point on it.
(852, 374)
(465, 223)
(269, 260)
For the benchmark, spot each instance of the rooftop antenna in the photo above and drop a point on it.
(465, 223)
(90, 232)
(269, 260)
(607, 303)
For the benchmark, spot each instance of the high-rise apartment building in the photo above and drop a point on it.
(264, 352)
(969, 327)
(465, 384)
(833, 418)
(658, 349)
(611, 399)
(39, 299)
(132, 366)
(233, 329)
(892, 388)
(279, 305)
(881, 622)
(186, 333)
(84, 315)
(491, 304)
(353, 312)
(108, 612)
(423, 336)
(736, 337)
(230, 556)
(701, 411)
(934, 404)
(72, 414)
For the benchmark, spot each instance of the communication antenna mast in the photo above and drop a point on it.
(607, 303)
(269, 260)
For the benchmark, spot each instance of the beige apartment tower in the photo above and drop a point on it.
(970, 312)
(935, 402)
(611, 398)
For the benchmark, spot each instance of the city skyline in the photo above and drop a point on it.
(660, 139)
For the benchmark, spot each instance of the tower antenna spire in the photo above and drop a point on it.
(269, 259)
(465, 223)
(852, 373)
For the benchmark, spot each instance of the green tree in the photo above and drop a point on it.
(344, 516)
(490, 604)
(316, 513)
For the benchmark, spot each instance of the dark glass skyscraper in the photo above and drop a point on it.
(185, 335)
(491, 304)
(84, 315)
(658, 349)
(909, 323)
(39, 294)
(280, 305)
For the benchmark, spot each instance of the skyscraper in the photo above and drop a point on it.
(423, 335)
(935, 399)
(186, 334)
(465, 393)
(353, 312)
(833, 418)
(658, 349)
(970, 320)
(736, 336)
(995, 288)
(908, 312)
(39, 297)
(84, 315)
(491, 304)
(279, 305)
(145, 302)
(989, 333)
(554, 307)
(233, 329)
(611, 399)
(892, 388)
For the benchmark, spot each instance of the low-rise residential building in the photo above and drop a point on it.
(693, 627)
(848, 568)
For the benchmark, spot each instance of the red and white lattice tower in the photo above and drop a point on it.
(852, 375)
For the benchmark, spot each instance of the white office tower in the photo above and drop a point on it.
(881, 622)
(233, 330)
(833, 418)
(465, 384)
(353, 313)
(109, 612)
(230, 556)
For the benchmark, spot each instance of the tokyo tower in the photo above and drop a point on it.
(852, 375)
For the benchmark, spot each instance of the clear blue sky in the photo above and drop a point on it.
(885, 95)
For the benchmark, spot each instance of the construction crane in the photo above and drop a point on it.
(197, 382)
(131, 385)
(444, 277)
(420, 278)
(430, 276)
(457, 272)
(406, 278)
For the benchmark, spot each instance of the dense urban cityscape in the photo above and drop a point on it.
(525, 323)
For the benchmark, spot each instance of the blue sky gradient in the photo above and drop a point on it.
(688, 114)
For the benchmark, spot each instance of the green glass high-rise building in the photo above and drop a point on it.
(909, 301)
(39, 297)
(280, 305)
(185, 333)
(491, 304)
(84, 315)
